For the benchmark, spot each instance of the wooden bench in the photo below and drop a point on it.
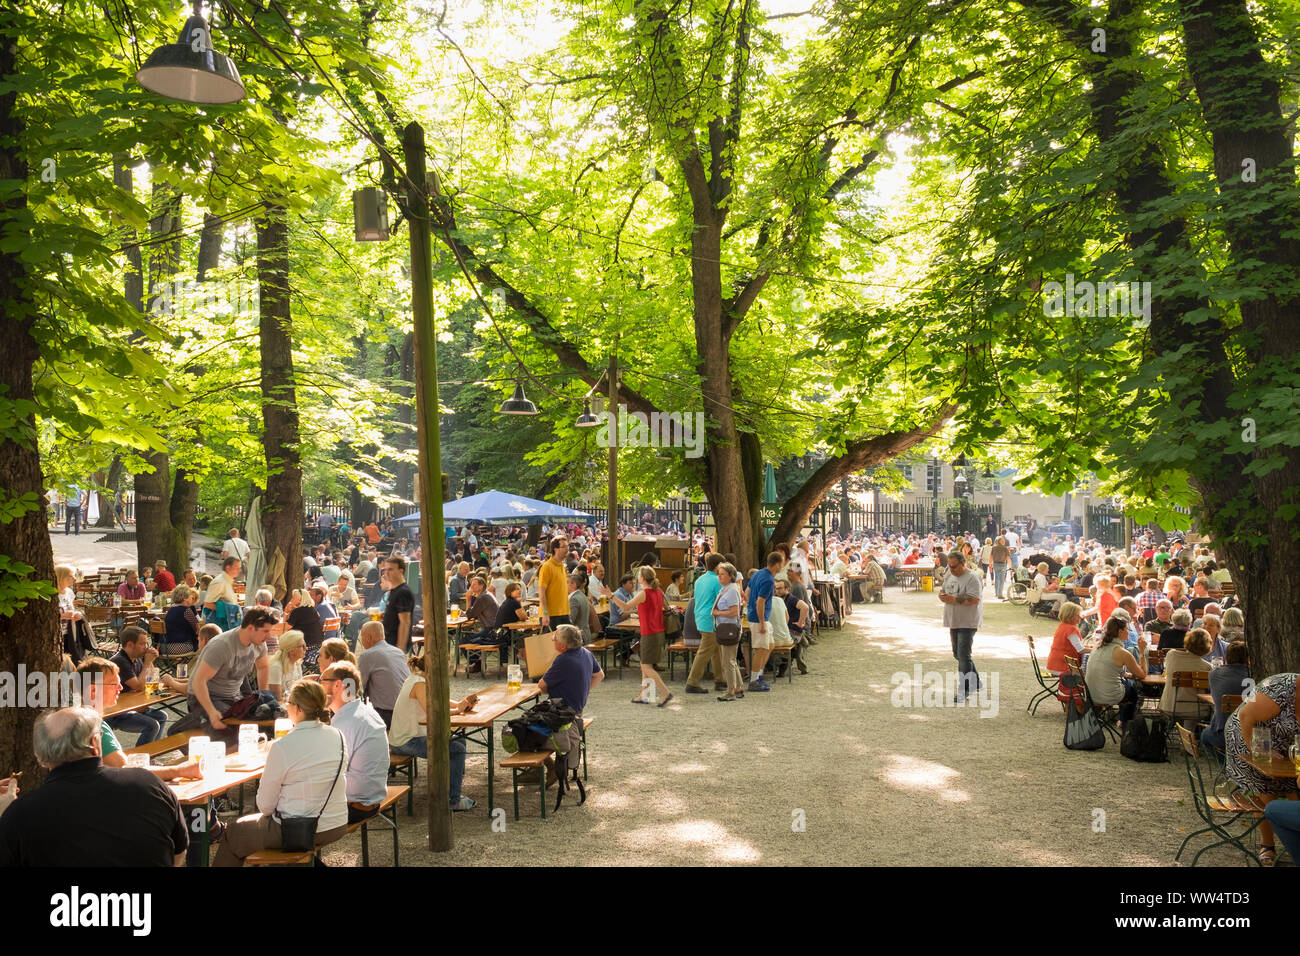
(406, 766)
(280, 858)
(526, 761)
(686, 651)
(785, 651)
(166, 744)
(387, 813)
(603, 646)
(481, 649)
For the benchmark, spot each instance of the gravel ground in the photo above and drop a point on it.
(828, 770)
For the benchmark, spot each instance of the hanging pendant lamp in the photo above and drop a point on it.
(190, 70)
(517, 404)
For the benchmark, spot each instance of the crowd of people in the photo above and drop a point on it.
(1142, 603)
(341, 668)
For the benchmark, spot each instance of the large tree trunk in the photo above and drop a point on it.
(154, 537)
(30, 636)
(1239, 98)
(724, 481)
(185, 491)
(282, 508)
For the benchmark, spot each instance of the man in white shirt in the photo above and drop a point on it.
(235, 547)
(962, 615)
(366, 737)
(222, 587)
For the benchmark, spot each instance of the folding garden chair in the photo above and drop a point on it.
(1222, 814)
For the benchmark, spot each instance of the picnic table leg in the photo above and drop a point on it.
(491, 776)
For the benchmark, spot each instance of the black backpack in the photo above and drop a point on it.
(1145, 739)
(531, 732)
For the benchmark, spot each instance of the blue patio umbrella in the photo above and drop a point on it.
(498, 507)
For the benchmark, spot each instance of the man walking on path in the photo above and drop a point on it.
(72, 517)
(962, 614)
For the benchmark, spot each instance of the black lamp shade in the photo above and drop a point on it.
(959, 461)
(370, 214)
(517, 404)
(586, 419)
(180, 72)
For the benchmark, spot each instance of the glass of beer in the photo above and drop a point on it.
(151, 686)
(455, 613)
(282, 726)
(514, 678)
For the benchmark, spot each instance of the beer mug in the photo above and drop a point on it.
(199, 747)
(455, 613)
(282, 726)
(1261, 742)
(514, 677)
(216, 758)
(251, 740)
(1295, 753)
(137, 760)
(182, 671)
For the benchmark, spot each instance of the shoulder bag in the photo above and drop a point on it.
(1083, 730)
(728, 631)
(298, 834)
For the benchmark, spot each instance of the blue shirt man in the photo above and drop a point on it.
(574, 672)
(762, 585)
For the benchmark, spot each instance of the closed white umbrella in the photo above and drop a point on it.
(255, 573)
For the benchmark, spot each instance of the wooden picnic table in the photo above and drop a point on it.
(1158, 680)
(199, 793)
(477, 726)
(1276, 766)
(135, 700)
(1206, 699)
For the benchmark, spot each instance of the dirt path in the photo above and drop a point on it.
(872, 783)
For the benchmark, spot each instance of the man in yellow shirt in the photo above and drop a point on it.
(553, 586)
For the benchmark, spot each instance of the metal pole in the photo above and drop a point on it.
(615, 570)
(432, 540)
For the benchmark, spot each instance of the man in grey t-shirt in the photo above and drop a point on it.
(962, 615)
(227, 660)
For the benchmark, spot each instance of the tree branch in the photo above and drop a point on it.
(858, 454)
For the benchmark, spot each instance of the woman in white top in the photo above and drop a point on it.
(727, 609)
(286, 664)
(303, 778)
(408, 736)
(77, 639)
